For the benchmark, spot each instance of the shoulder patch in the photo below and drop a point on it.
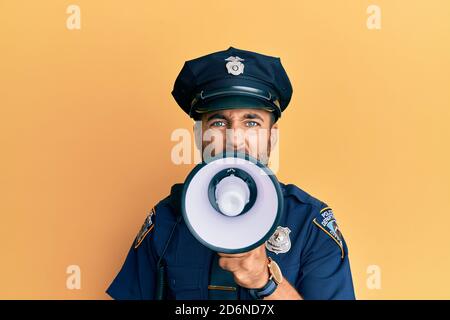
(145, 229)
(327, 223)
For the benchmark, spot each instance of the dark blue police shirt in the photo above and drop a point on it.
(317, 263)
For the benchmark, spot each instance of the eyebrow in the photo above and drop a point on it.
(246, 116)
(217, 116)
(253, 116)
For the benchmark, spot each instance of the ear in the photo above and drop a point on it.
(273, 136)
(198, 134)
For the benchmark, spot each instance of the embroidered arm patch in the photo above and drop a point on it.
(145, 229)
(327, 223)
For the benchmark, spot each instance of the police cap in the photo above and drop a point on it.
(232, 79)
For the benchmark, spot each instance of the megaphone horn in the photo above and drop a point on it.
(231, 204)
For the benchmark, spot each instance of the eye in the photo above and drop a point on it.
(252, 124)
(218, 124)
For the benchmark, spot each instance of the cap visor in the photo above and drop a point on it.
(233, 102)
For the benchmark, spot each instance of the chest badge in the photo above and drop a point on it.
(279, 242)
(234, 65)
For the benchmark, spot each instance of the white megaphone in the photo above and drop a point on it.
(231, 203)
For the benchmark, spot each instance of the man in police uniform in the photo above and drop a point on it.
(305, 258)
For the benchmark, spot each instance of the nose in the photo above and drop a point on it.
(235, 140)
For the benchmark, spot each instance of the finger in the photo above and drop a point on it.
(233, 255)
(229, 264)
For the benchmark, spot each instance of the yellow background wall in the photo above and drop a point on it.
(86, 117)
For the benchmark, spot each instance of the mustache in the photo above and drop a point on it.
(262, 157)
